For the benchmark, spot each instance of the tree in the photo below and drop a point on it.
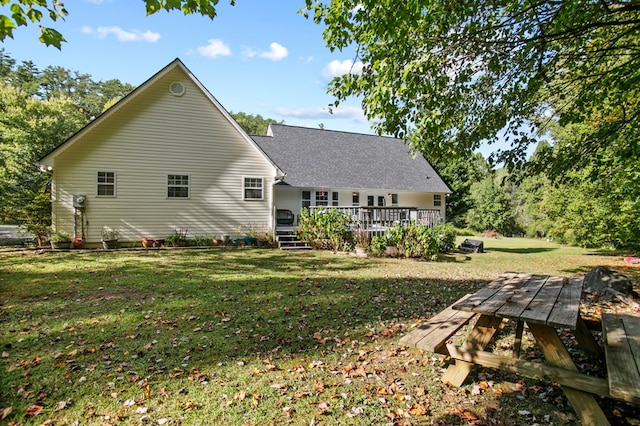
(493, 204)
(460, 173)
(56, 82)
(253, 124)
(453, 74)
(30, 128)
(23, 11)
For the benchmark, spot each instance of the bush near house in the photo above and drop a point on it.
(326, 229)
(416, 240)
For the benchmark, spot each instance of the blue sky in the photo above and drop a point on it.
(258, 57)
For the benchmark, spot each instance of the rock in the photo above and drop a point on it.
(600, 278)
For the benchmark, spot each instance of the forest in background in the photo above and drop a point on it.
(595, 205)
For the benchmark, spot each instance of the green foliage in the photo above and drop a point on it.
(60, 237)
(56, 82)
(325, 228)
(493, 207)
(24, 11)
(30, 128)
(37, 10)
(460, 173)
(178, 237)
(450, 76)
(378, 245)
(253, 124)
(416, 240)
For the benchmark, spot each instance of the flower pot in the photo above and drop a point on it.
(110, 244)
(60, 244)
(77, 243)
(361, 251)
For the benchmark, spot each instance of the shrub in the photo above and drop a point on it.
(416, 240)
(324, 228)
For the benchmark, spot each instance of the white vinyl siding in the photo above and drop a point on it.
(154, 134)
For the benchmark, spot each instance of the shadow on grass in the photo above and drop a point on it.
(106, 324)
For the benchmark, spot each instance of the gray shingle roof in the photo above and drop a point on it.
(316, 158)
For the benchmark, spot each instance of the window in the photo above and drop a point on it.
(394, 200)
(253, 188)
(322, 198)
(437, 200)
(355, 199)
(178, 186)
(306, 199)
(334, 199)
(106, 184)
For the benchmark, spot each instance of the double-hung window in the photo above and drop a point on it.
(106, 184)
(253, 188)
(437, 200)
(322, 198)
(177, 186)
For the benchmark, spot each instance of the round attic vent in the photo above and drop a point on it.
(177, 88)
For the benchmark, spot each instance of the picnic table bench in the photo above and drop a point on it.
(545, 303)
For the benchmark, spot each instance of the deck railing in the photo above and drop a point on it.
(381, 218)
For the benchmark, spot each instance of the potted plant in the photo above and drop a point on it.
(110, 237)
(250, 236)
(147, 242)
(60, 240)
(178, 238)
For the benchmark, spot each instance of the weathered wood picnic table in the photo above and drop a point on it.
(545, 303)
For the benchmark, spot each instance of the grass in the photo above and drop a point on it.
(244, 337)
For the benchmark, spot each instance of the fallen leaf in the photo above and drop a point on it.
(323, 408)
(34, 410)
(6, 412)
(417, 410)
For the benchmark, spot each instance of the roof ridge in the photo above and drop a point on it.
(336, 131)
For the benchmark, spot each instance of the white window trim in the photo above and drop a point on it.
(166, 186)
(438, 200)
(115, 181)
(244, 188)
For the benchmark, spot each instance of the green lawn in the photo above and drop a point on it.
(214, 336)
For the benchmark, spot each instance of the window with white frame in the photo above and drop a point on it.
(106, 184)
(355, 199)
(306, 199)
(394, 200)
(437, 200)
(178, 186)
(322, 198)
(253, 188)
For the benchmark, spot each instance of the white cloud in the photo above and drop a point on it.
(215, 48)
(276, 52)
(337, 68)
(122, 35)
(348, 112)
(248, 52)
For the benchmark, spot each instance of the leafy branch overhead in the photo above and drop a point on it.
(23, 12)
(450, 75)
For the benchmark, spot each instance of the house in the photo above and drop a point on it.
(169, 157)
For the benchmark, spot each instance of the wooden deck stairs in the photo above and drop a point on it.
(287, 240)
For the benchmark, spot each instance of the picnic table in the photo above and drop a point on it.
(545, 303)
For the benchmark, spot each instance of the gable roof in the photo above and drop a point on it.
(317, 158)
(47, 160)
